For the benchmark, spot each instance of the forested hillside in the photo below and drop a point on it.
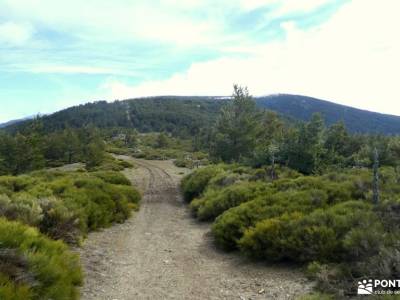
(185, 115)
(178, 115)
(12, 122)
(356, 120)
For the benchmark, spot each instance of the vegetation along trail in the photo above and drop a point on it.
(163, 253)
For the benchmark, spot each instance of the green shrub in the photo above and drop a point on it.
(125, 164)
(362, 242)
(182, 163)
(226, 178)
(269, 238)
(328, 220)
(194, 184)
(67, 205)
(110, 163)
(101, 203)
(109, 166)
(60, 222)
(322, 235)
(23, 207)
(14, 184)
(229, 227)
(34, 267)
(265, 173)
(117, 150)
(112, 177)
(131, 194)
(215, 201)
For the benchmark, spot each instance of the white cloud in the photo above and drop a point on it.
(254, 4)
(15, 34)
(165, 21)
(284, 6)
(352, 59)
(288, 6)
(113, 90)
(178, 22)
(71, 69)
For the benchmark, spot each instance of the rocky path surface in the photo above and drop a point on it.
(163, 253)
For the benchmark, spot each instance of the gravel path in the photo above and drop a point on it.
(163, 253)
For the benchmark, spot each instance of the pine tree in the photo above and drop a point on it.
(72, 147)
(237, 127)
(305, 147)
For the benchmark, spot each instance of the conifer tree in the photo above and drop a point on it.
(237, 127)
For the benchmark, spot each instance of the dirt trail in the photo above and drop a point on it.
(163, 253)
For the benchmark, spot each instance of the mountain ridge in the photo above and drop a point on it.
(15, 121)
(356, 120)
(192, 111)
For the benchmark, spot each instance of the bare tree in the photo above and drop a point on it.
(273, 149)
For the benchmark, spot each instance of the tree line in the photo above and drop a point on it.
(32, 148)
(244, 133)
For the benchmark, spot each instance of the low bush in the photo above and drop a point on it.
(117, 150)
(215, 201)
(326, 221)
(325, 235)
(183, 163)
(194, 184)
(112, 177)
(125, 164)
(226, 178)
(229, 227)
(14, 184)
(67, 205)
(23, 207)
(110, 163)
(34, 267)
(191, 160)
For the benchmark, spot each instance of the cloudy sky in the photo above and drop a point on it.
(58, 53)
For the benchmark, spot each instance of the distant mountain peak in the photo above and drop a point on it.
(356, 120)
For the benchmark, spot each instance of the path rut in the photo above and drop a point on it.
(163, 253)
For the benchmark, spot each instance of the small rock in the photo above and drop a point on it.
(262, 291)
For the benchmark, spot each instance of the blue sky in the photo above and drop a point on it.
(54, 54)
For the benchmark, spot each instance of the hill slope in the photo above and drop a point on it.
(179, 115)
(12, 122)
(186, 115)
(356, 120)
